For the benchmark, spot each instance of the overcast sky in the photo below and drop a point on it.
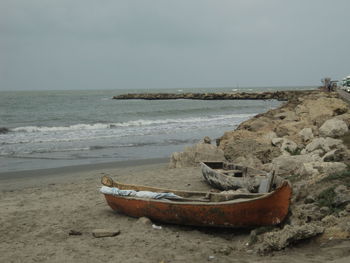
(114, 44)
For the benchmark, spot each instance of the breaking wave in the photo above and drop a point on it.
(135, 123)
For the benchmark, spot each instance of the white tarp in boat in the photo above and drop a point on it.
(141, 194)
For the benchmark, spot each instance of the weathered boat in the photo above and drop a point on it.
(228, 176)
(203, 208)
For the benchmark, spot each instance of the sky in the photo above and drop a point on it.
(114, 44)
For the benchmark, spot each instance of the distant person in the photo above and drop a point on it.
(329, 87)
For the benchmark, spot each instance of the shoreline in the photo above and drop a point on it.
(30, 178)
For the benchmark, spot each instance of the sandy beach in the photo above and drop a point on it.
(38, 212)
(144, 93)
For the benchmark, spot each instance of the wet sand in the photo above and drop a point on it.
(39, 208)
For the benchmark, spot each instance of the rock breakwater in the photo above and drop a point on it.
(304, 141)
(278, 95)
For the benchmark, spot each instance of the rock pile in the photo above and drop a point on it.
(302, 141)
(193, 155)
(278, 95)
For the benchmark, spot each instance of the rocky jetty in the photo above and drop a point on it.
(278, 95)
(305, 141)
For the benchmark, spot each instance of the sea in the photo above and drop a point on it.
(50, 129)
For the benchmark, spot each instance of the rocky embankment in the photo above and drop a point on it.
(278, 95)
(305, 141)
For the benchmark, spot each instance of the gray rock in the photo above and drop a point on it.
(269, 136)
(305, 213)
(144, 221)
(105, 233)
(336, 155)
(287, 116)
(347, 208)
(329, 220)
(343, 213)
(288, 145)
(288, 165)
(324, 144)
(333, 128)
(277, 141)
(74, 233)
(306, 134)
(342, 195)
(243, 147)
(249, 161)
(195, 154)
(308, 169)
(288, 235)
(309, 199)
(207, 140)
(324, 210)
(327, 167)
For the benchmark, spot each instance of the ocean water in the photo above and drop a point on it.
(60, 128)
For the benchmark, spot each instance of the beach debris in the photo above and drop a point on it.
(105, 233)
(156, 227)
(211, 258)
(74, 233)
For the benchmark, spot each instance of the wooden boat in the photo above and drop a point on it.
(228, 176)
(204, 208)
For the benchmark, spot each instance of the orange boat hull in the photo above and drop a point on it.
(271, 209)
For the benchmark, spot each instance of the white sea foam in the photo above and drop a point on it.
(135, 123)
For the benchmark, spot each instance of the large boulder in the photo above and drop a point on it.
(306, 134)
(244, 143)
(261, 136)
(342, 195)
(333, 128)
(286, 116)
(344, 117)
(312, 168)
(256, 124)
(280, 239)
(246, 147)
(324, 144)
(316, 110)
(289, 165)
(249, 161)
(195, 154)
(290, 128)
(337, 155)
(287, 147)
